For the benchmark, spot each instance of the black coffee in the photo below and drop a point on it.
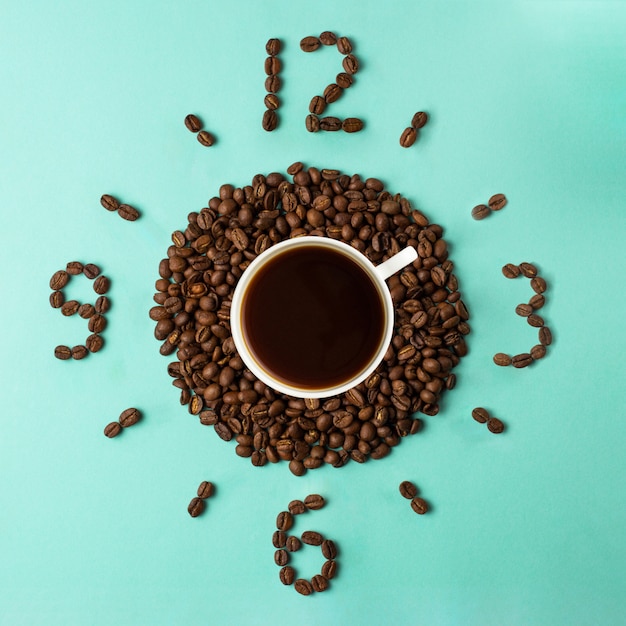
(312, 317)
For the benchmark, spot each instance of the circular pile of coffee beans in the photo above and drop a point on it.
(94, 313)
(286, 544)
(528, 310)
(192, 314)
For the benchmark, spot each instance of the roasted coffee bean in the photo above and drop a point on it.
(196, 507)
(281, 557)
(97, 323)
(330, 123)
(524, 310)
(86, 311)
(273, 65)
(63, 353)
(329, 569)
(538, 284)
(535, 320)
(101, 285)
(57, 299)
(70, 307)
(272, 101)
(344, 45)
(129, 417)
(273, 84)
(74, 268)
(350, 64)
(279, 539)
(480, 415)
(312, 538)
(312, 123)
(109, 202)
(332, 93)
(293, 543)
(317, 105)
(112, 430)
(270, 120)
(329, 549)
(528, 270)
(545, 336)
(419, 120)
(309, 44)
(128, 212)
(284, 521)
(419, 505)
(352, 125)
(510, 270)
(344, 80)
(408, 489)
(205, 138)
(319, 583)
(495, 425)
(303, 586)
(205, 489)
(314, 502)
(193, 123)
(94, 343)
(497, 202)
(297, 507)
(79, 352)
(537, 301)
(102, 305)
(287, 575)
(480, 212)
(59, 280)
(522, 360)
(328, 39)
(408, 137)
(273, 46)
(502, 359)
(538, 352)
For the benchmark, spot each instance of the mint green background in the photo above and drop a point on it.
(526, 98)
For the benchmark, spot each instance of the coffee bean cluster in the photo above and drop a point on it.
(496, 203)
(192, 314)
(94, 313)
(482, 416)
(409, 491)
(125, 211)
(333, 91)
(410, 133)
(529, 311)
(197, 504)
(128, 418)
(194, 124)
(286, 544)
(273, 84)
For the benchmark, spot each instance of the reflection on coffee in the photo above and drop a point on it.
(312, 317)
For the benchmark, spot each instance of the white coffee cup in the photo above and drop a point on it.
(376, 273)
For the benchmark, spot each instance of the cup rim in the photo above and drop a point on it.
(238, 334)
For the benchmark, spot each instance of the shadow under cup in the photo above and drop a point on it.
(311, 318)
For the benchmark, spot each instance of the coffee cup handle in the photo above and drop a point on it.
(396, 262)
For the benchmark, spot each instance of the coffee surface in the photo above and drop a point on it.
(312, 317)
